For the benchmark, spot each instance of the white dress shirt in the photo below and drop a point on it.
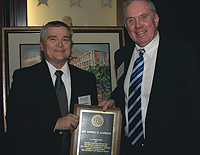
(148, 73)
(66, 78)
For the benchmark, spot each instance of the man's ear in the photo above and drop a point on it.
(41, 46)
(125, 26)
(156, 20)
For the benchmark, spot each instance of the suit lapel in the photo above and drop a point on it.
(128, 57)
(43, 77)
(125, 57)
(75, 84)
(163, 83)
(165, 68)
(44, 80)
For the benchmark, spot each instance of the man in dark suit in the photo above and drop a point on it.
(34, 117)
(168, 93)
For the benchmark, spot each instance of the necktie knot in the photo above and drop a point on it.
(58, 73)
(142, 51)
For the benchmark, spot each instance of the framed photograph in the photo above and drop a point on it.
(20, 48)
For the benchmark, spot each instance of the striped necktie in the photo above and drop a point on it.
(136, 134)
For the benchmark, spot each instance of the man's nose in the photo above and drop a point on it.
(137, 24)
(60, 43)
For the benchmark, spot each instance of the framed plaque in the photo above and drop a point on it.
(98, 132)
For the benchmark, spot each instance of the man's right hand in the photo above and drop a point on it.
(106, 104)
(67, 122)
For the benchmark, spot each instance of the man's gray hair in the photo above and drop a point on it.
(54, 24)
(149, 2)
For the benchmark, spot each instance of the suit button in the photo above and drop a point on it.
(60, 132)
(142, 145)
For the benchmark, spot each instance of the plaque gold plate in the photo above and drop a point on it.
(98, 132)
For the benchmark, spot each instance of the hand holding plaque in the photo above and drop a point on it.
(98, 132)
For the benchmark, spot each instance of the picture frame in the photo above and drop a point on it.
(12, 37)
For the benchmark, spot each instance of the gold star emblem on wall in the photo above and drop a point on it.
(75, 2)
(42, 2)
(106, 3)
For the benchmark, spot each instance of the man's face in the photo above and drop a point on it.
(56, 45)
(140, 24)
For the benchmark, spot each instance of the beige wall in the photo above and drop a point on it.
(91, 12)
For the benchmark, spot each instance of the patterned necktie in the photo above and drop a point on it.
(136, 134)
(61, 93)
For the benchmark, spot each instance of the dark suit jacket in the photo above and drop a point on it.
(33, 107)
(172, 119)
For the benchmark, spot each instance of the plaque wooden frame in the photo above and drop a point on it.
(116, 135)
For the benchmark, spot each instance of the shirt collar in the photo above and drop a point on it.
(148, 48)
(64, 69)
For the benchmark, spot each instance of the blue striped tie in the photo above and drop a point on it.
(136, 134)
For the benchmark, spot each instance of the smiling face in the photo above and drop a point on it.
(56, 46)
(140, 24)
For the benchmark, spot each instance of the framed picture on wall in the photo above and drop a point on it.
(20, 48)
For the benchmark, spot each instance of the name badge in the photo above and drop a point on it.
(120, 71)
(85, 100)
